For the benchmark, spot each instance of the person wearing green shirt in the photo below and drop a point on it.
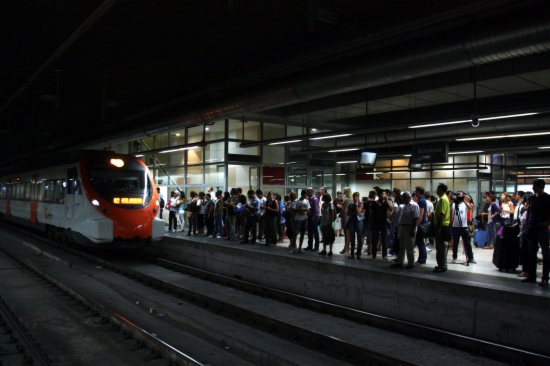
(442, 229)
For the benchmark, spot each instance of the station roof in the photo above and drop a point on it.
(86, 73)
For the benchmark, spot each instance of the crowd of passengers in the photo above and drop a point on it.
(387, 221)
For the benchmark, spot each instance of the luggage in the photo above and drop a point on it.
(480, 238)
(507, 250)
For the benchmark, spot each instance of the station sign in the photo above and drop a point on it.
(322, 163)
(436, 152)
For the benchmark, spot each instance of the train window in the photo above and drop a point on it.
(16, 191)
(28, 191)
(9, 191)
(3, 191)
(74, 186)
(59, 191)
(39, 192)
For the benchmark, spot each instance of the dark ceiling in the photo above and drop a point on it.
(138, 55)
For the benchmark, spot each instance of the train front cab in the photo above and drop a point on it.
(122, 199)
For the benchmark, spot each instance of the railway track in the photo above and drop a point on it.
(129, 331)
(320, 341)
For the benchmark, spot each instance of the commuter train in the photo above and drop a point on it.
(93, 198)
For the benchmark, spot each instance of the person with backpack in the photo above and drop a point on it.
(328, 215)
(161, 202)
(217, 214)
(192, 214)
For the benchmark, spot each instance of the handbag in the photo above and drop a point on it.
(338, 223)
(425, 227)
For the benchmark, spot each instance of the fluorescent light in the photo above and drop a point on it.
(407, 155)
(469, 120)
(344, 150)
(138, 156)
(441, 124)
(465, 152)
(206, 128)
(509, 116)
(544, 147)
(502, 136)
(341, 174)
(534, 175)
(177, 134)
(180, 149)
(290, 162)
(314, 129)
(284, 142)
(538, 167)
(330, 137)
(346, 162)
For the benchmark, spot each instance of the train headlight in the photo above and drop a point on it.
(119, 163)
(95, 202)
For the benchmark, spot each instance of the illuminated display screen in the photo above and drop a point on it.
(127, 200)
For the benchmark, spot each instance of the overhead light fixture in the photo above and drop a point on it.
(330, 137)
(177, 134)
(341, 174)
(179, 149)
(314, 129)
(502, 136)
(538, 167)
(284, 142)
(533, 175)
(465, 152)
(343, 150)
(206, 128)
(346, 162)
(469, 120)
(407, 155)
(544, 147)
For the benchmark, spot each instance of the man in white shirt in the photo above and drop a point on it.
(300, 208)
(408, 223)
(459, 212)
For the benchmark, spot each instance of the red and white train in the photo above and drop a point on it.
(94, 198)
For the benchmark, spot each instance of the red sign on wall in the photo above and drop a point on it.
(273, 176)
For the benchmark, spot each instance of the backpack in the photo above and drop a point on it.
(161, 202)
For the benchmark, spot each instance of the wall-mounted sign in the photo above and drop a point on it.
(436, 152)
(322, 163)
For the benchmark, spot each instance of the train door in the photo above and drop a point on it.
(72, 176)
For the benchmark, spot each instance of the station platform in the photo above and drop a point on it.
(466, 299)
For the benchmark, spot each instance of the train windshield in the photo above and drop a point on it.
(130, 188)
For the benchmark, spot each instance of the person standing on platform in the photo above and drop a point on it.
(261, 214)
(218, 216)
(271, 219)
(281, 220)
(172, 214)
(313, 221)
(192, 214)
(250, 210)
(459, 214)
(442, 219)
(408, 215)
(209, 215)
(338, 204)
(182, 206)
(381, 208)
(538, 219)
(493, 217)
(241, 219)
(290, 219)
(327, 218)
(422, 220)
(232, 215)
(355, 213)
(161, 202)
(300, 208)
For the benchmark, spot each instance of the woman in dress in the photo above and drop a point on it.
(506, 209)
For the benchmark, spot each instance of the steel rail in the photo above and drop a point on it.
(33, 355)
(158, 347)
(351, 352)
(472, 345)
(461, 342)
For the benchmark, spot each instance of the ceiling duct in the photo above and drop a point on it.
(450, 132)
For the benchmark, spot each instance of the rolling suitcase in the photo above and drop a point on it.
(480, 238)
(507, 250)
